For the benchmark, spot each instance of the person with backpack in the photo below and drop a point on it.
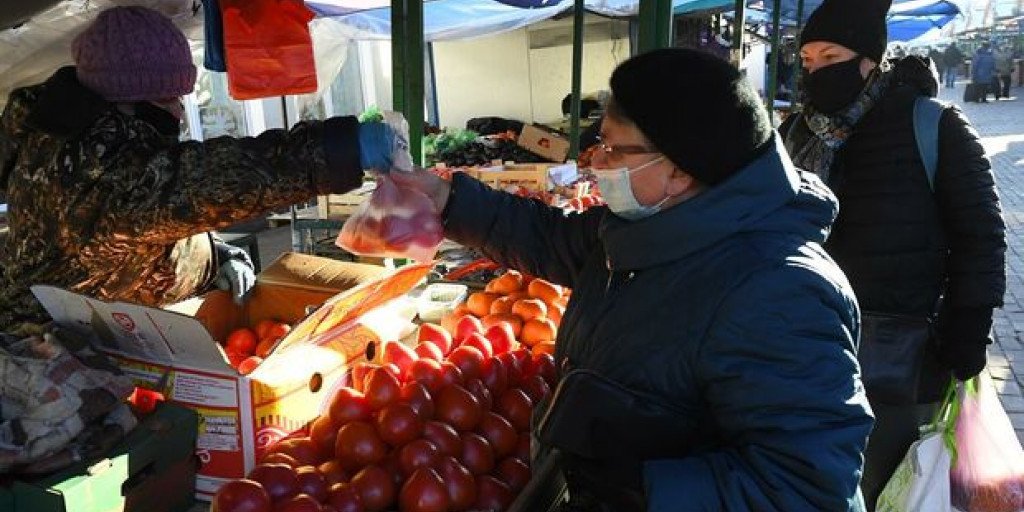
(919, 250)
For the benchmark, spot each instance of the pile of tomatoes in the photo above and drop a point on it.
(443, 426)
(246, 348)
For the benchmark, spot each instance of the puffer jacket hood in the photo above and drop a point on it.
(916, 72)
(770, 194)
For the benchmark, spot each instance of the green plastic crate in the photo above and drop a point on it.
(153, 469)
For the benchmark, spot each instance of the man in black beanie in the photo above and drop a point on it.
(707, 334)
(909, 235)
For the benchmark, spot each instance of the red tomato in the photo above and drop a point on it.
(249, 364)
(417, 454)
(535, 388)
(428, 350)
(516, 407)
(235, 358)
(376, 488)
(524, 357)
(241, 496)
(348, 405)
(381, 388)
(499, 433)
(333, 473)
(514, 473)
(451, 374)
(459, 481)
(424, 491)
(468, 359)
(512, 368)
(435, 334)
(278, 480)
(427, 372)
(543, 365)
(482, 394)
(466, 326)
(492, 494)
(358, 445)
(394, 370)
(266, 346)
(397, 353)
(477, 454)
(262, 328)
(312, 482)
(345, 498)
(416, 395)
(242, 341)
(501, 337)
(323, 433)
(277, 330)
(523, 448)
(444, 437)
(494, 375)
(280, 458)
(301, 449)
(479, 342)
(398, 424)
(458, 407)
(299, 503)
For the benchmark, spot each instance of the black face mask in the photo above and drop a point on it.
(835, 86)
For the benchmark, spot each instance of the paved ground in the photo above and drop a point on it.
(1001, 125)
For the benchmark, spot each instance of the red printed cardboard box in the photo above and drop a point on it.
(242, 415)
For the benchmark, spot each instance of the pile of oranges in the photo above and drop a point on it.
(532, 307)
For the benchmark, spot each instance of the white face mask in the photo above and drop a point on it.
(617, 191)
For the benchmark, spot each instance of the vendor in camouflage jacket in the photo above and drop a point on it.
(105, 201)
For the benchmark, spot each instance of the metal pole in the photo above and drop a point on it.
(398, 57)
(655, 25)
(577, 72)
(797, 64)
(773, 76)
(739, 19)
(407, 55)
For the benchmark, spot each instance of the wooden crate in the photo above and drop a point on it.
(340, 206)
(533, 177)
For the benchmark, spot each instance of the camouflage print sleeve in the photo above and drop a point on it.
(163, 194)
(10, 130)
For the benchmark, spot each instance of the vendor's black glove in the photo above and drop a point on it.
(963, 340)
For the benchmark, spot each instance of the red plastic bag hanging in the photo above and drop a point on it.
(988, 471)
(268, 48)
(396, 222)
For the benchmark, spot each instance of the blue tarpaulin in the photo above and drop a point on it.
(907, 19)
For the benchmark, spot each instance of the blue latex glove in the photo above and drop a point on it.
(236, 276)
(382, 148)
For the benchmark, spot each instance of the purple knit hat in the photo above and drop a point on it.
(134, 54)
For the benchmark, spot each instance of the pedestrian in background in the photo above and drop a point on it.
(903, 245)
(1004, 70)
(953, 58)
(983, 72)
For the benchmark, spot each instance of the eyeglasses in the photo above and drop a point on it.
(624, 149)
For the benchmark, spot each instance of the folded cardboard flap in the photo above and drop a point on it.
(315, 273)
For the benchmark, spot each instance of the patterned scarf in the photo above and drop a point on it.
(829, 132)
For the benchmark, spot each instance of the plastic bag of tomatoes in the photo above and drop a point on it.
(396, 222)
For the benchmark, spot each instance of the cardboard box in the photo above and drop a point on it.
(545, 143)
(341, 206)
(533, 177)
(240, 416)
(153, 469)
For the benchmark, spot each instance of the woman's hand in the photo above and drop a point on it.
(427, 182)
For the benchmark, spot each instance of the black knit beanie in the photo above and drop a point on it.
(856, 24)
(695, 108)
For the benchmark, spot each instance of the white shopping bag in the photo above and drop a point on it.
(921, 482)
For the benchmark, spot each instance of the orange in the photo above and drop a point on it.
(511, 281)
(538, 330)
(555, 313)
(544, 290)
(451, 319)
(529, 309)
(513, 321)
(544, 347)
(502, 305)
(479, 303)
